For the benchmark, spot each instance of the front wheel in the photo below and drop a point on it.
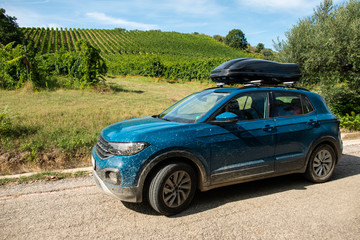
(321, 164)
(172, 189)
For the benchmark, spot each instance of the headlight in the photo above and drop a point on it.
(129, 148)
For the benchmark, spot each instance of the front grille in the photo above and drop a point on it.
(102, 148)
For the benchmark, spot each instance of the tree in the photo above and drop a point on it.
(236, 39)
(9, 29)
(326, 46)
(268, 53)
(259, 47)
(89, 67)
(18, 66)
(219, 38)
(121, 29)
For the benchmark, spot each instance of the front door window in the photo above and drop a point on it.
(250, 106)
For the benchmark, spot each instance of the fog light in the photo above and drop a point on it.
(112, 176)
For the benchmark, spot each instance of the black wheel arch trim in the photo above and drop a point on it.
(148, 166)
(335, 144)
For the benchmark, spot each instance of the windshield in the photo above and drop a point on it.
(193, 107)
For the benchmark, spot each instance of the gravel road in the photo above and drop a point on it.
(280, 208)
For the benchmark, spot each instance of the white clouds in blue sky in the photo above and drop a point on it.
(304, 6)
(260, 20)
(107, 20)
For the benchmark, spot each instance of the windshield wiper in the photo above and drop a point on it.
(158, 116)
(165, 119)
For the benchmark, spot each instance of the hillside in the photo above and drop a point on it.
(130, 42)
(170, 55)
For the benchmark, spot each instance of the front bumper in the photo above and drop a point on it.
(127, 194)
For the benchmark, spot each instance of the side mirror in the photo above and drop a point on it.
(225, 118)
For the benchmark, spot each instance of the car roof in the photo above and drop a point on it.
(257, 88)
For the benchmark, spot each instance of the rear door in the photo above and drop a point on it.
(295, 120)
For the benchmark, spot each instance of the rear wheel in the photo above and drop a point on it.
(172, 189)
(321, 164)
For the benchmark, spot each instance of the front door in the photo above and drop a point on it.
(247, 147)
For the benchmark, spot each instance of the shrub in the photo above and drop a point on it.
(164, 66)
(88, 66)
(342, 99)
(351, 122)
(18, 65)
(12, 67)
(84, 67)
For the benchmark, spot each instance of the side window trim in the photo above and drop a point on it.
(303, 99)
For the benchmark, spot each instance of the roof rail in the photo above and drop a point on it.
(261, 83)
(220, 85)
(254, 83)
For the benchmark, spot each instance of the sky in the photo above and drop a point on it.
(262, 21)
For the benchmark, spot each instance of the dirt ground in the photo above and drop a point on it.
(285, 207)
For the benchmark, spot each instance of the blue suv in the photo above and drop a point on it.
(218, 137)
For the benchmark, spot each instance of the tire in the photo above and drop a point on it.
(172, 188)
(321, 164)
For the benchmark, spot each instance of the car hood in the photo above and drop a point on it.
(137, 129)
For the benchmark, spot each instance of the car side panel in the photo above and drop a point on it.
(294, 136)
(245, 148)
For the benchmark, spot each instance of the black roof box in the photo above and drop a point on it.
(244, 70)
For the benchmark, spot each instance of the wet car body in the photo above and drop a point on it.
(221, 146)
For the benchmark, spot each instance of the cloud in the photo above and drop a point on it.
(304, 6)
(104, 19)
(37, 2)
(53, 25)
(257, 32)
(188, 26)
(194, 7)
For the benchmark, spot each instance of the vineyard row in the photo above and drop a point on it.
(115, 42)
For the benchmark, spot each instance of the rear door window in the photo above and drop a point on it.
(290, 104)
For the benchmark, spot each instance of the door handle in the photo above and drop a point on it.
(313, 123)
(268, 128)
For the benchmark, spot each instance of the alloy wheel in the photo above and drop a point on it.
(323, 162)
(176, 189)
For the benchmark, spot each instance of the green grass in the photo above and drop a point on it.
(44, 176)
(57, 129)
